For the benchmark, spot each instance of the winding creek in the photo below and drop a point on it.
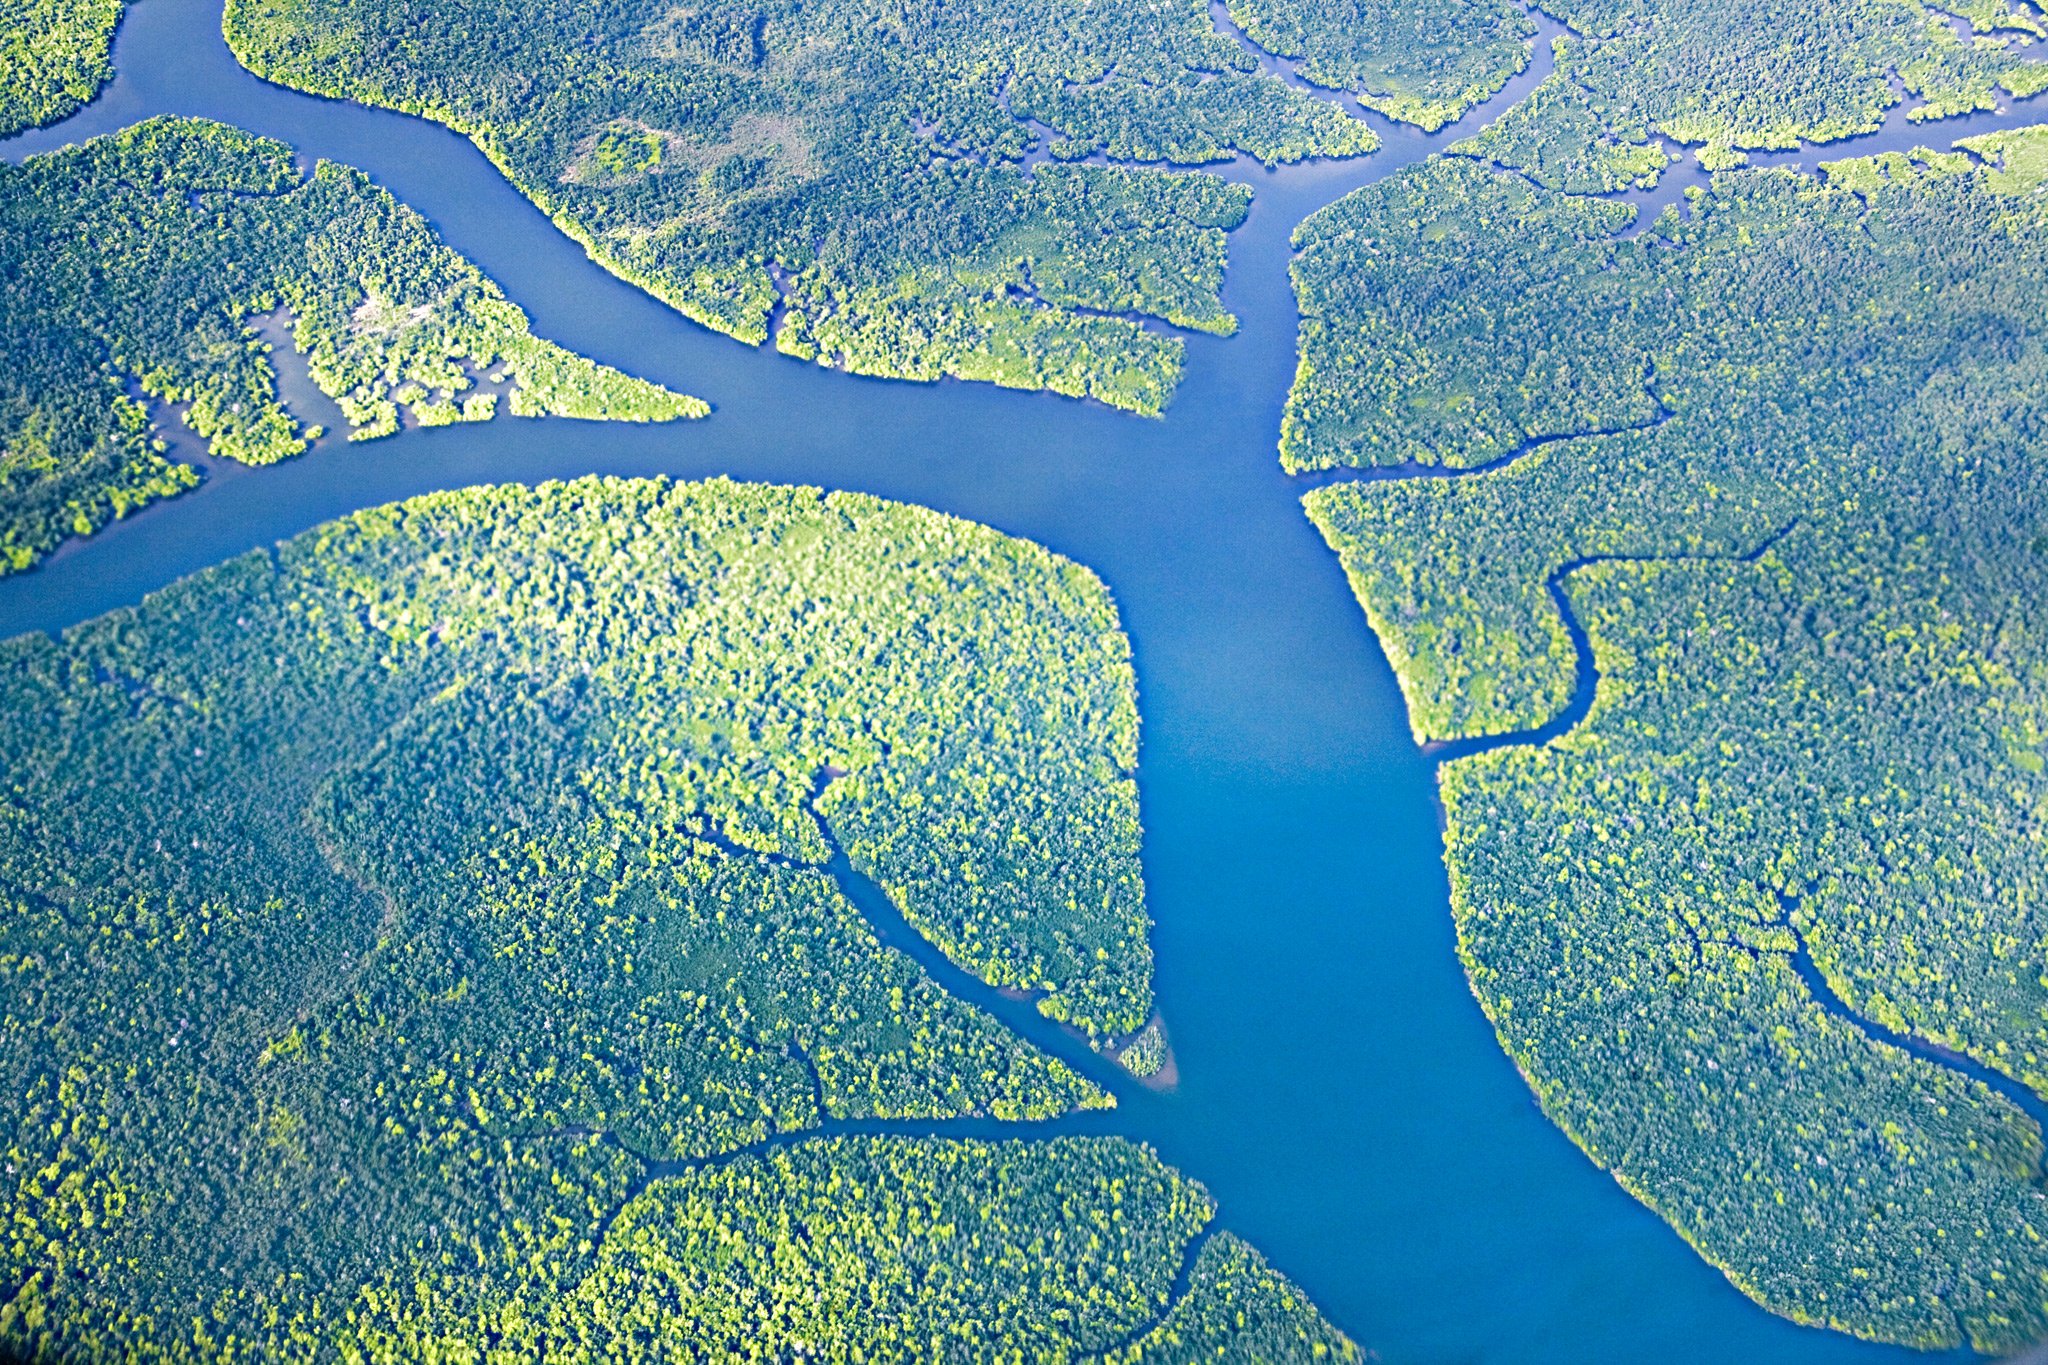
(1829, 999)
(1585, 690)
(1340, 1092)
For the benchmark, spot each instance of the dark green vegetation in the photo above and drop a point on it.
(387, 967)
(54, 56)
(862, 164)
(1421, 62)
(1744, 74)
(1781, 461)
(1567, 138)
(129, 269)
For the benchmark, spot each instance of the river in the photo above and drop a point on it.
(1340, 1092)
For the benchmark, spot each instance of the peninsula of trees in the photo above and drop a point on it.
(421, 946)
(130, 267)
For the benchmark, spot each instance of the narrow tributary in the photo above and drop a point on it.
(1585, 690)
(1018, 1012)
(2013, 1092)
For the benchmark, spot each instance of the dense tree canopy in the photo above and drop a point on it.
(129, 269)
(1061, 1251)
(54, 56)
(947, 190)
(419, 935)
(1420, 61)
(878, 170)
(1781, 461)
(1746, 74)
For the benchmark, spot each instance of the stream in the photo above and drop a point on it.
(1339, 1092)
(1585, 691)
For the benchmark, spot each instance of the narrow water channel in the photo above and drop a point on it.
(1585, 690)
(1340, 1092)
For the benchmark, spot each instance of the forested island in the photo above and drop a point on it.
(130, 267)
(454, 875)
(1778, 460)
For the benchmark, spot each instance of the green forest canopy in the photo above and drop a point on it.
(861, 162)
(1061, 1250)
(130, 266)
(388, 966)
(864, 166)
(54, 57)
(1747, 74)
(1824, 748)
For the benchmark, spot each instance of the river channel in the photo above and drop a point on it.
(1339, 1090)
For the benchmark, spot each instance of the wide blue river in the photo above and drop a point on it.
(1339, 1090)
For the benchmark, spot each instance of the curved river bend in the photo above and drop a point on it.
(1339, 1090)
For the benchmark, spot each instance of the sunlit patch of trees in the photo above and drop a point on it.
(910, 1249)
(1236, 1308)
(54, 57)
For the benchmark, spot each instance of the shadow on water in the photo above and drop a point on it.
(1340, 1092)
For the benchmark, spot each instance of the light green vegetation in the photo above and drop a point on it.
(386, 962)
(1748, 74)
(1237, 1309)
(54, 57)
(2016, 162)
(863, 163)
(1827, 746)
(1145, 1054)
(129, 269)
(912, 1250)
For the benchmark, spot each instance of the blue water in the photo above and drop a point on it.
(1339, 1091)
